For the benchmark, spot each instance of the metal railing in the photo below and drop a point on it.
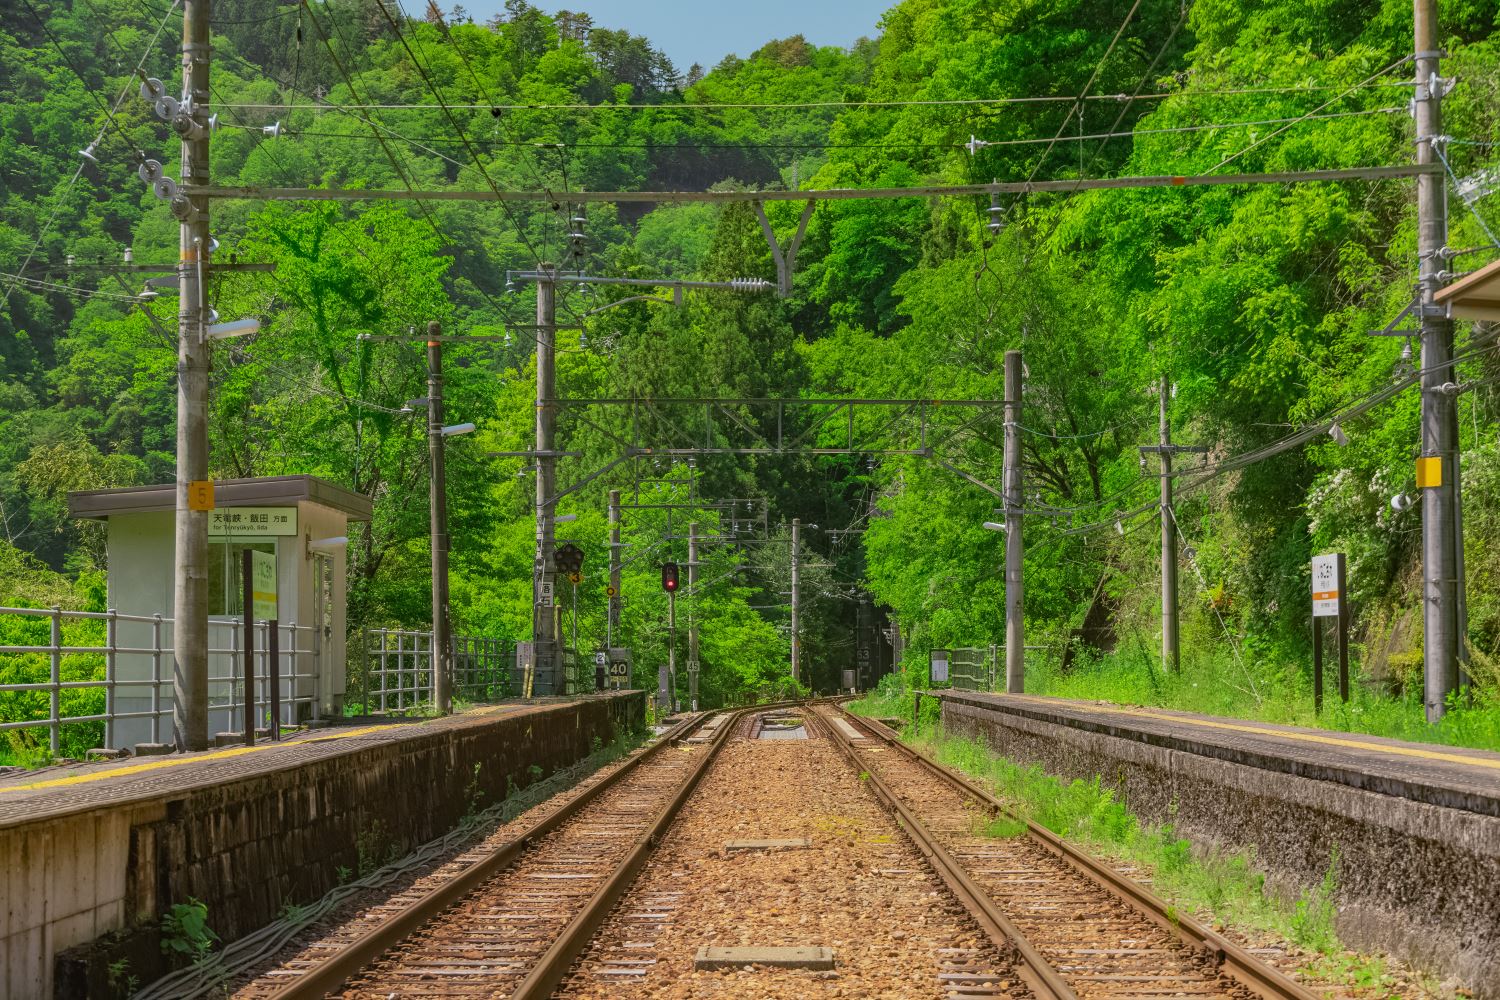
(982, 668)
(398, 673)
(974, 668)
(140, 668)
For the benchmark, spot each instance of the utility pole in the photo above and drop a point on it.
(1171, 655)
(190, 593)
(437, 497)
(672, 651)
(612, 619)
(796, 601)
(544, 577)
(1441, 638)
(1015, 622)
(692, 618)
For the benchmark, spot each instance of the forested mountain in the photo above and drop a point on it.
(1252, 304)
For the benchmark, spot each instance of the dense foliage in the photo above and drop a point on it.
(1252, 303)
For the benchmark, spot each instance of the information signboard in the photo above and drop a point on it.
(939, 660)
(1327, 584)
(263, 585)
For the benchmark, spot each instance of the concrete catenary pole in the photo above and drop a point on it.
(437, 497)
(612, 618)
(1171, 655)
(692, 618)
(672, 651)
(1015, 583)
(544, 575)
(190, 592)
(1439, 441)
(796, 601)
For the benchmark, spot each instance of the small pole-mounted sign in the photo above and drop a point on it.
(1330, 600)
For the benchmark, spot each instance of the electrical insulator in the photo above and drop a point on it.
(997, 214)
(669, 577)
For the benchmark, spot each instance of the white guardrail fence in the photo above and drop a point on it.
(63, 668)
(398, 669)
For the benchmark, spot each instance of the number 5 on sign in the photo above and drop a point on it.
(201, 494)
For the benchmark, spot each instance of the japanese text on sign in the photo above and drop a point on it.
(263, 585)
(251, 522)
(1325, 586)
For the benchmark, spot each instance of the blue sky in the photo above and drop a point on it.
(705, 31)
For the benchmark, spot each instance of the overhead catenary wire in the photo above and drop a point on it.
(1202, 475)
(453, 121)
(1135, 133)
(1077, 104)
(40, 284)
(1333, 100)
(812, 105)
(1145, 79)
(110, 120)
(1437, 148)
(395, 161)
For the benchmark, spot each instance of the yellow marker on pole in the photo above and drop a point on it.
(1430, 471)
(201, 495)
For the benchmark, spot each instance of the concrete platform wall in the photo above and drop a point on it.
(88, 889)
(1420, 881)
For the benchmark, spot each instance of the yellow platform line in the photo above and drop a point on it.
(165, 762)
(1239, 727)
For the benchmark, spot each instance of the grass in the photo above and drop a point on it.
(1218, 684)
(1220, 887)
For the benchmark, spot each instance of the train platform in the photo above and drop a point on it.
(98, 851)
(27, 795)
(1452, 777)
(1408, 833)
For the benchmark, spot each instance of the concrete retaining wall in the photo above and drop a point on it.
(88, 889)
(1418, 880)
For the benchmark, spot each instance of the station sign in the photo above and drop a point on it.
(263, 586)
(252, 522)
(938, 659)
(1327, 585)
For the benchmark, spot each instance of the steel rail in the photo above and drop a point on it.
(550, 970)
(1045, 981)
(370, 945)
(1231, 959)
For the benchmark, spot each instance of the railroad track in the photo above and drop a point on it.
(512, 921)
(1078, 928)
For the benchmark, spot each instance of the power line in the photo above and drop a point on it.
(395, 162)
(813, 105)
(832, 194)
(39, 284)
(1204, 474)
(1437, 148)
(1134, 133)
(469, 146)
(78, 171)
(1078, 103)
(1145, 78)
(1370, 79)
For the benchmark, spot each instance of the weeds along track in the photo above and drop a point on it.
(508, 923)
(1098, 933)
